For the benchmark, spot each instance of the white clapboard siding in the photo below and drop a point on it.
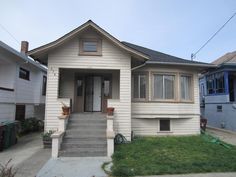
(184, 116)
(112, 58)
(150, 127)
(7, 112)
(7, 96)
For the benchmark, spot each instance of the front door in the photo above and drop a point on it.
(93, 86)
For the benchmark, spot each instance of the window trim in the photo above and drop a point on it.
(87, 53)
(164, 131)
(28, 74)
(175, 86)
(147, 86)
(191, 88)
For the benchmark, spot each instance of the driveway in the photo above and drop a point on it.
(28, 155)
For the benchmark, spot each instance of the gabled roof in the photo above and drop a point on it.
(162, 58)
(226, 59)
(21, 56)
(45, 48)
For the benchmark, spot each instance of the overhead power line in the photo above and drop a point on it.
(193, 55)
(18, 42)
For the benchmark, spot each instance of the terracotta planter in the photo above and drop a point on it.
(110, 111)
(65, 110)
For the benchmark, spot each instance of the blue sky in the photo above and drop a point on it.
(176, 27)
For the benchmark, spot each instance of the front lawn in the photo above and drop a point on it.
(172, 155)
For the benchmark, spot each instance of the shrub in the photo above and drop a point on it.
(6, 170)
(31, 125)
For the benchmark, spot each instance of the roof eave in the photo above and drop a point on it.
(183, 64)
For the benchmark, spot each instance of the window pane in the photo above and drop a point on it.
(90, 46)
(210, 84)
(142, 86)
(106, 88)
(219, 78)
(79, 87)
(169, 87)
(164, 125)
(185, 82)
(158, 87)
(24, 74)
(136, 89)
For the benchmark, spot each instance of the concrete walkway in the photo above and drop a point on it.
(28, 155)
(226, 136)
(74, 167)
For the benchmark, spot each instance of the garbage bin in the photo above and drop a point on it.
(1, 137)
(9, 137)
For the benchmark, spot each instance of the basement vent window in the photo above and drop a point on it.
(164, 125)
(219, 108)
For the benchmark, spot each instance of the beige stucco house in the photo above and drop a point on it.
(153, 93)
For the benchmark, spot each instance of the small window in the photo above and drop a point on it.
(139, 81)
(164, 124)
(163, 87)
(90, 46)
(79, 87)
(186, 87)
(24, 74)
(107, 88)
(219, 108)
(44, 85)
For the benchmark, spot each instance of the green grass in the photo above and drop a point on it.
(172, 155)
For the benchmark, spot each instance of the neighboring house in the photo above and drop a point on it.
(22, 85)
(153, 93)
(218, 93)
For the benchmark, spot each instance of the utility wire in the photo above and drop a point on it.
(193, 55)
(18, 42)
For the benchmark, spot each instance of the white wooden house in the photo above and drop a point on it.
(22, 85)
(153, 93)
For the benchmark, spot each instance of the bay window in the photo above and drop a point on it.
(215, 83)
(163, 86)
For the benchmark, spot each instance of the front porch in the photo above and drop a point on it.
(89, 90)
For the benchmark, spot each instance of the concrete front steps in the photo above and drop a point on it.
(85, 136)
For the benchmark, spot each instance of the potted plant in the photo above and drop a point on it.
(65, 109)
(47, 140)
(110, 111)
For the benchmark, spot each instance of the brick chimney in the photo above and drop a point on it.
(24, 47)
